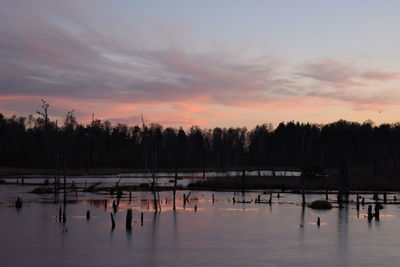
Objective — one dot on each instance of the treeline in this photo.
(37, 142)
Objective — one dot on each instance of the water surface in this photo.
(219, 233)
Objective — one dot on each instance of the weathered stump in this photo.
(377, 212)
(370, 216)
(129, 219)
(112, 221)
(18, 203)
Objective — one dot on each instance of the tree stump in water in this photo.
(59, 214)
(377, 212)
(88, 215)
(370, 212)
(18, 203)
(112, 221)
(129, 219)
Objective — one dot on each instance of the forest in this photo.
(38, 142)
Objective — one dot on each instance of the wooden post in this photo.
(18, 203)
(59, 214)
(358, 203)
(370, 212)
(243, 179)
(377, 212)
(88, 215)
(65, 184)
(129, 219)
(141, 219)
(174, 191)
(270, 198)
(114, 205)
(340, 198)
(112, 221)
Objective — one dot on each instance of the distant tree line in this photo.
(37, 142)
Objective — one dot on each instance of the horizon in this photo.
(225, 64)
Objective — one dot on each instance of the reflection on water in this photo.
(220, 233)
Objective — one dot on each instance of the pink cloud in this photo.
(380, 75)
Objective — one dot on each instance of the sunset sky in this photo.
(207, 63)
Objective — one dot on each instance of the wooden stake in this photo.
(129, 219)
(112, 221)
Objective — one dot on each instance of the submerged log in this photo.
(42, 190)
(321, 204)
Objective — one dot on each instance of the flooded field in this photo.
(201, 233)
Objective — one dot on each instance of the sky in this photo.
(210, 63)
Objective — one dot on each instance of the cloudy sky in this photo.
(207, 63)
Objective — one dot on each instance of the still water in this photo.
(219, 233)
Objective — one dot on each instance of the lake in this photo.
(219, 233)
